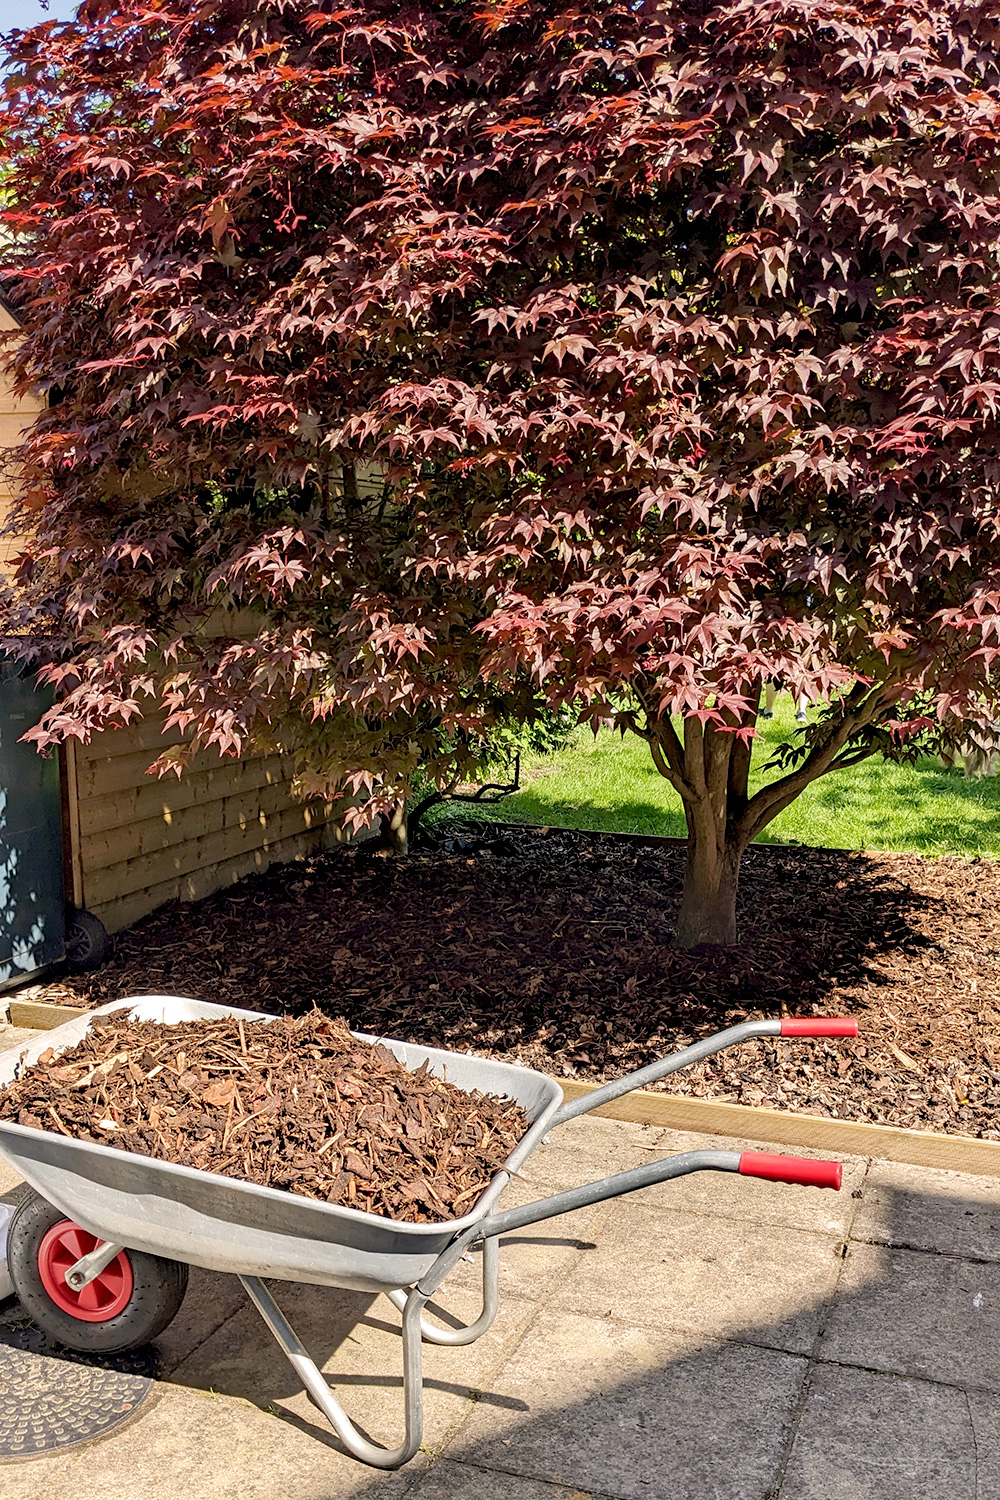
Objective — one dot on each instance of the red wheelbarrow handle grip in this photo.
(799, 1169)
(819, 1026)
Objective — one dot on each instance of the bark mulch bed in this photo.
(553, 949)
(297, 1104)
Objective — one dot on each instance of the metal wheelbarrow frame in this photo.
(129, 1201)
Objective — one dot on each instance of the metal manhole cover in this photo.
(47, 1404)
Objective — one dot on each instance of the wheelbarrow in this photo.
(100, 1256)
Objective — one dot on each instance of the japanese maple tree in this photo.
(479, 355)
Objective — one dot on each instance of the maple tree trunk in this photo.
(710, 769)
(393, 831)
(708, 902)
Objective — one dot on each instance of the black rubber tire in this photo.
(87, 941)
(157, 1291)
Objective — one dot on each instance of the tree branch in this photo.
(772, 799)
(694, 756)
(662, 762)
(669, 743)
(855, 759)
(665, 748)
(739, 773)
(349, 479)
(718, 754)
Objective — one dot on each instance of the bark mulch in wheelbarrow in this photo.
(298, 1104)
(553, 949)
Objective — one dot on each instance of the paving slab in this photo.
(915, 1313)
(636, 1412)
(9, 1179)
(864, 1436)
(587, 1148)
(210, 1300)
(951, 1212)
(12, 1186)
(984, 1414)
(189, 1446)
(755, 1282)
(15, 1036)
(451, 1481)
(533, 1259)
(355, 1339)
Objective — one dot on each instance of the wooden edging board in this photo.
(918, 1148)
(668, 841)
(39, 1015)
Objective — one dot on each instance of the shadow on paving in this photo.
(878, 1383)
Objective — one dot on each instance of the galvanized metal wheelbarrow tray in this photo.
(133, 1202)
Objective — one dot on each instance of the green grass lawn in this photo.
(611, 784)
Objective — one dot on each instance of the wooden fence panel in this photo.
(168, 797)
(238, 814)
(16, 413)
(106, 883)
(144, 840)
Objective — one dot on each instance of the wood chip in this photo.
(182, 1111)
(441, 948)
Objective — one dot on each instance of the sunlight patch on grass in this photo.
(611, 785)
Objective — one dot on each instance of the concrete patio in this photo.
(717, 1338)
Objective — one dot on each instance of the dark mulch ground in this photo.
(553, 949)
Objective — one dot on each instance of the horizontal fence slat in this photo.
(167, 796)
(237, 812)
(107, 884)
(103, 775)
(142, 734)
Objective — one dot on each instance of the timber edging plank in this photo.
(670, 841)
(918, 1148)
(40, 1015)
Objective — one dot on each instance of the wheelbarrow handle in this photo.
(790, 1026)
(819, 1026)
(802, 1170)
(795, 1169)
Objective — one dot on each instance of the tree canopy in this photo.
(475, 355)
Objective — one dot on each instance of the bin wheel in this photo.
(87, 941)
(129, 1303)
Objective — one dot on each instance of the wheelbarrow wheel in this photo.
(130, 1302)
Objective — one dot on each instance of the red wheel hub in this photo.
(104, 1297)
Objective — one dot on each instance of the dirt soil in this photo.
(553, 949)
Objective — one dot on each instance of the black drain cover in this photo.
(47, 1404)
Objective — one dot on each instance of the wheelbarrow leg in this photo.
(468, 1334)
(316, 1384)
